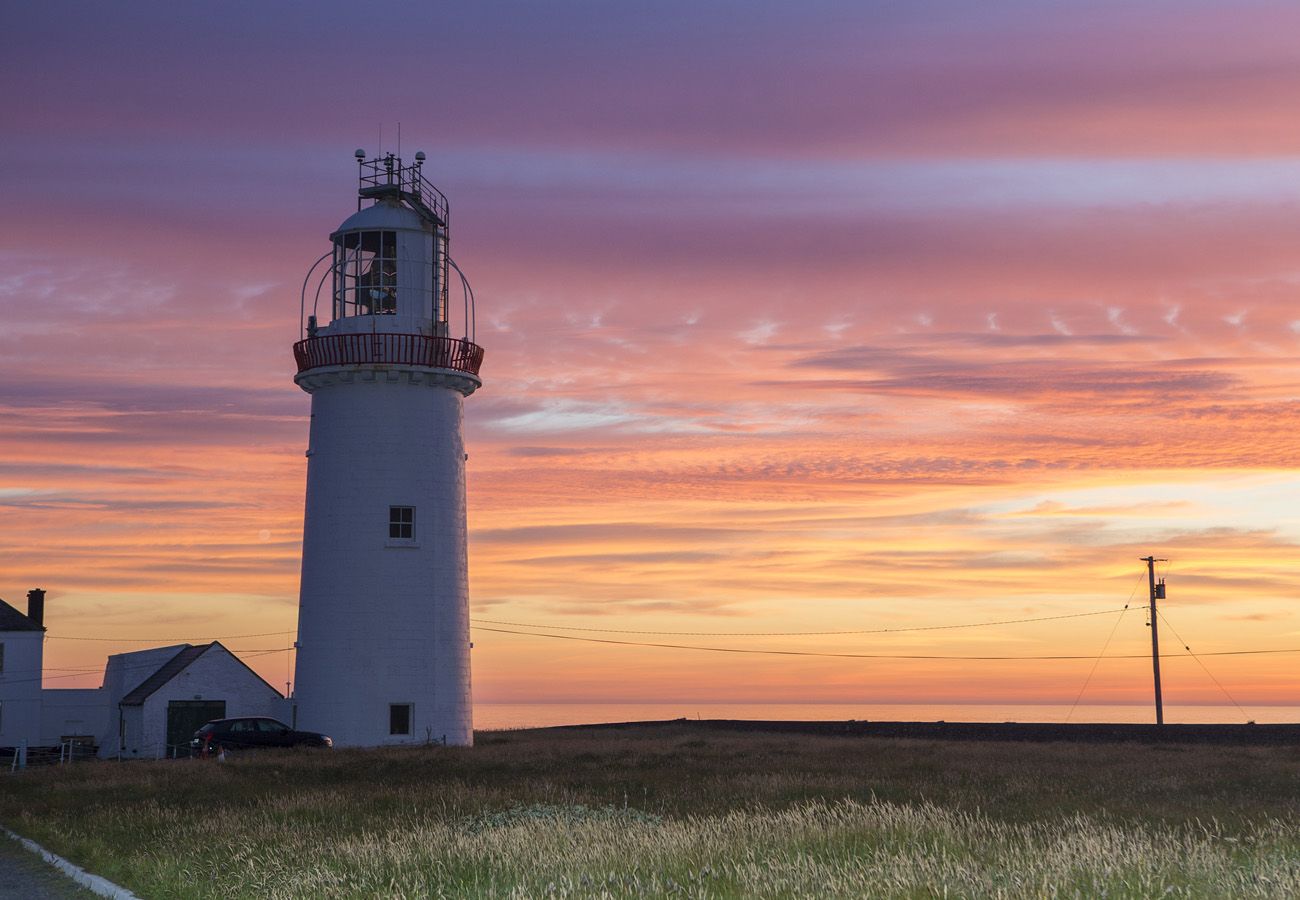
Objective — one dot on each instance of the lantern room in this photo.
(386, 263)
(388, 267)
(379, 295)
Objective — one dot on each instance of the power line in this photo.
(592, 640)
(1102, 612)
(1096, 662)
(229, 637)
(134, 667)
(1231, 699)
(149, 640)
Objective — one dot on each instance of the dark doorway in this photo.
(184, 717)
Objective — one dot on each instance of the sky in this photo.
(817, 316)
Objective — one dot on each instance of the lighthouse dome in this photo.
(385, 216)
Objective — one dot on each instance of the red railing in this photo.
(388, 349)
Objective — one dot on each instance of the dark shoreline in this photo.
(1038, 732)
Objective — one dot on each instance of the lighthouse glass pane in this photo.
(401, 523)
(366, 273)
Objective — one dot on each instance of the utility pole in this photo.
(1157, 590)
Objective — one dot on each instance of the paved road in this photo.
(25, 876)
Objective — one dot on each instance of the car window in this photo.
(268, 725)
(241, 726)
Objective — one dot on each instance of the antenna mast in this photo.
(1157, 591)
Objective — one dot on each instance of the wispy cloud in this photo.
(826, 315)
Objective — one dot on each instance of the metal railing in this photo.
(388, 349)
(65, 752)
(388, 172)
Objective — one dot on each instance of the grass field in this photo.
(683, 810)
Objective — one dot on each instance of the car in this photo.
(251, 733)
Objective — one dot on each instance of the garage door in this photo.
(184, 717)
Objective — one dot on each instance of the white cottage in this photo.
(150, 703)
(196, 684)
(21, 640)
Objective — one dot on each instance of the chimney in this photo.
(36, 606)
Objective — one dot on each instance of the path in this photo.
(25, 876)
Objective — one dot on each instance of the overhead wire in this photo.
(228, 637)
(593, 640)
(1100, 612)
(1019, 621)
(152, 666)
(1231, 699)
(482, 625)
(1096, 662)
(148, 640)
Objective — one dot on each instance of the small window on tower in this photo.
(399, 718)
(401, 523)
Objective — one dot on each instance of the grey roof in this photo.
(12, 620)
(165, 673)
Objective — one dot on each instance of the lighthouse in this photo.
(387, 354)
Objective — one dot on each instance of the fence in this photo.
(65, 752)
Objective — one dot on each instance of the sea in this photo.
(504, 716)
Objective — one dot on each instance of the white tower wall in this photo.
(382, 620)
(383, 624)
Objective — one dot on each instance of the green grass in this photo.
(683, 810)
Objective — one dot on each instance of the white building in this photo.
(383, 628)
(195, 684)
(150, 703)
(22, 638)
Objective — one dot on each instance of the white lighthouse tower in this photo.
(383, 615)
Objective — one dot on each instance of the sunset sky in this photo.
(816, 316)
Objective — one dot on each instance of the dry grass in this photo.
(684, 810)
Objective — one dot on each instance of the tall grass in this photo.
(682, 810)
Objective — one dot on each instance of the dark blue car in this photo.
(251, 733)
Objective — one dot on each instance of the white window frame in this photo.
(395, 523)
(410, 720)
